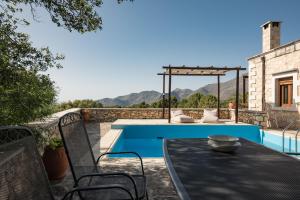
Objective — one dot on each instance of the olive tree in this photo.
(26, 91)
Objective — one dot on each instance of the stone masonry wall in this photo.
(112, 114)
(253, 117)
(246, 116)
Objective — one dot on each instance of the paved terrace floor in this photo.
(159, 187)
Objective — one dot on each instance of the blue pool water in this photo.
(147, 139)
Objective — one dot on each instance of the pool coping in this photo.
(109, 139)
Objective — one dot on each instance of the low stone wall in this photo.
(253, 117)
(112, 114)
(50, 124)
(48, 127)
(284, 117)
(246, 116)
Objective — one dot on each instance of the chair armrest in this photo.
(110, 174)
(92, 188)
(124, 152)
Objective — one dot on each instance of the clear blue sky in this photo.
(139, 37)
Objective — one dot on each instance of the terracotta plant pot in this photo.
(55, 162)
(231, 105)
(86, 115)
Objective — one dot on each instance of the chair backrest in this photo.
(22, 174)
(77, 145)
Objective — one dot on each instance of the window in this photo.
(285, 87)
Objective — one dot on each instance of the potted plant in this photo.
(86, 115)
(231, 105)
(55, 159)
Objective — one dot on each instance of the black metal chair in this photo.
(22, 174)
(85, 168)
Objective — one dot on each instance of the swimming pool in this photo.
(147, 139)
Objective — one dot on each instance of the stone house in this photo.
(274, 77)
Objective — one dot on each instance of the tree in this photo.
(183, 103)
(192, 101)
(78, 15)
(174, 102)
(140, 105)
(85, 103)
(26, 92)
(208, 101)
(159, 103)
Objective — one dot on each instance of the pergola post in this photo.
(170, 86)
(244, 89)
(218, 96)
(163, 95)
(237, 96)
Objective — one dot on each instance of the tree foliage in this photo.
(140, 105)
(193, 101)
(159, 103)
(78, 15)
(25, 94)
(26, 91)
(85, 103)
(208, 101)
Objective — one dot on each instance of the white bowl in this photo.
(225, 147)
(223, 138)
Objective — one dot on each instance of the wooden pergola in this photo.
(199, 71)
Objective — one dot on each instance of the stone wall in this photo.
(51, 123)
(253, 117)
(246, 116)
(284, 118)
(112, 114)
(49, 126)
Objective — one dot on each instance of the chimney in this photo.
(270, 35)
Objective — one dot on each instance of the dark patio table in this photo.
(253, 172)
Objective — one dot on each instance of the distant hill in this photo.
(227, 89)
(181, 93)
(133, 98)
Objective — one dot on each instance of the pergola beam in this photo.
(205, 68)
(166, 74)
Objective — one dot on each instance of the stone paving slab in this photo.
(160, 186)
(109, 139)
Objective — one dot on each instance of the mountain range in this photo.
(227, 89)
